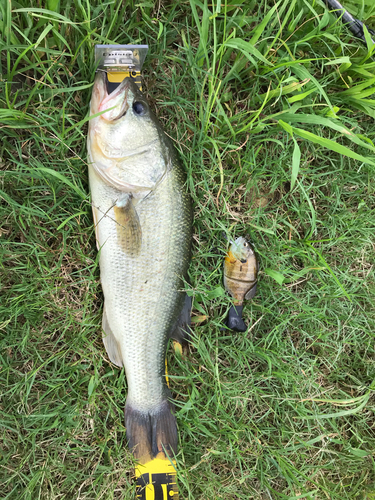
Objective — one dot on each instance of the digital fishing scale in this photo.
(119, 62)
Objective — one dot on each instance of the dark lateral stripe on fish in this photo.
(151, 433)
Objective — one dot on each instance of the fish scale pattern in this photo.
(143, 292)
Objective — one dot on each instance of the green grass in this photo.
(271, 106)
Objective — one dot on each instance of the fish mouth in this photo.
(122, 86)
(116, 102)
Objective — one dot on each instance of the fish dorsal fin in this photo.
(110, 343)
(129, 232)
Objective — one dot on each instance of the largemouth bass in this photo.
(143, 224)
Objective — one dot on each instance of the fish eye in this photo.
(139, 108)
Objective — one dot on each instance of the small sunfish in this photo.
(240, 279)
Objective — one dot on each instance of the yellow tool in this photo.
(121, 61)
(156, 480)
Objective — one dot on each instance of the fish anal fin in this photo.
(110, 343)
(129, 232)
(181, 329)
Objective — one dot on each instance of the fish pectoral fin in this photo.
(95, 214)
(110, 343)
(129, 232)
(181, 329)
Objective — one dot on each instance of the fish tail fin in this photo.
(153, 438)
(139, 433)
(164, 430)
(153, 432)
(234, 320)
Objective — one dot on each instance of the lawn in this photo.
(271, 106)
